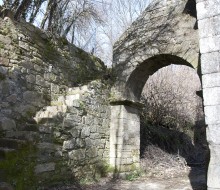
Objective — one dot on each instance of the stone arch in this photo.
(125, 112)
(141, 73)
(164, 34)
(184, 28)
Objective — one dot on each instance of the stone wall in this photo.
(165, 33)
(209, 31)
(74, 134)
(54, 113)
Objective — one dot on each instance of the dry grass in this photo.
(158, 163)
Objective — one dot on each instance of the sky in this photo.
(117, 18)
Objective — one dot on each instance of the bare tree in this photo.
(170, 97)
(90, 24)
(35, 9)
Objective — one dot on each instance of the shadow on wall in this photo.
(33, 74)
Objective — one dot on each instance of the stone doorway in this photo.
(125, 113)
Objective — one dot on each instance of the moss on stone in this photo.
(2, 77)
(19, 166)
(5, 31)
(2, 46)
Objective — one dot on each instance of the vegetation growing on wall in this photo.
(18, 167)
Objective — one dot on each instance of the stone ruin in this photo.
(62, 118)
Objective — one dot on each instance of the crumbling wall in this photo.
(54, 109)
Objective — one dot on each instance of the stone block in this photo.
(80, 143)
(75, 132)
(40, 168)
(45, 145)
(5, 39)
(71, 121)
(212, 115)
(77, 154)
(206, 9)
(4, 61)
(31, 78)
(210, 62)
(215, 154)
(85, 132)
(40, 80)
(211, 80)
(213, 176)
(69, 144)
(7, 124)
(70, 100)
(213, 134)
(209, 27)
(32, 97)
(210, 44)
(89, 142)
(211, 96)
(92, 152)
(23, 135)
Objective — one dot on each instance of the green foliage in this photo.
(133, 175)
(2, 45)
(19, 166)
(50, 51)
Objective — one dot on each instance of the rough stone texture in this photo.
(166, 33)
(53, 96)
(124, 138)
(209, 32)
(76, 127)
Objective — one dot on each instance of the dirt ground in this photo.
(194, 180)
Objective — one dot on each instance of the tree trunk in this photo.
(35, 11)
(22, 9)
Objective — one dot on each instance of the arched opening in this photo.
(143, 71)
(125, 123)
(172, 126)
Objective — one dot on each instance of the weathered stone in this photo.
(45, 129)
(12, 98)
(7, 87)
(211, 96)
(211, 80)
(210, 44)
(89, 142)
(7, 124)
(207, 9)
(80, 143)
(69, 145)
(5, 39)
(47, 146)
(85, 132)
(5, 186)
(31, 78)
(75, 132)
(213, 134)
(40, 168)
(31, 96)
(92, 152)
(70, 100)
(23, 135)
(212, 114)
(209, 27)
(77, 154)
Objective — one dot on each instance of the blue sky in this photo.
(0, 2)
